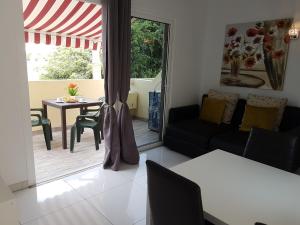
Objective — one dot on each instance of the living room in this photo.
(197, 31)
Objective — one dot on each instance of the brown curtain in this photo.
(129, 152)
(118, 134)
(111, 83)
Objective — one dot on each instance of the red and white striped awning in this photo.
(69, 23)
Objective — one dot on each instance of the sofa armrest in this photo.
(183, 113)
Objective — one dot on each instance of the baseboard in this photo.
(150, 146)
(19, 186)
(140, 118)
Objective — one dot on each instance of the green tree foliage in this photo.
(146, 48)
(68, 63)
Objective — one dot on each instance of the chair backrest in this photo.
(173, 199)
(276, 149)
(100, 113)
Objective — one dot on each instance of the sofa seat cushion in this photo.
(233, 142)
(196, 131)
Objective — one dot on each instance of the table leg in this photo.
(45, 111)
(64, 128)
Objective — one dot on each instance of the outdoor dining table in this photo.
(63, 106)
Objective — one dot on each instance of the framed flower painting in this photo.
(255, 54)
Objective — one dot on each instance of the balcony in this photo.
(59, 161)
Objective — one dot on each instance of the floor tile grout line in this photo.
(104, 192)
(86, 198)
(43, 214)
(53, 211)
(138, 186)
(98, 211)
(128, 180)
(83, 199)
(139, 221)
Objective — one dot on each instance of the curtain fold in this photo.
(118, 130)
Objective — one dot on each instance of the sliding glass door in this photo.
(149, 53)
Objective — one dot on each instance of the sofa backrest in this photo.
(290, 119)
(183, 113)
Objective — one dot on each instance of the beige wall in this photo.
(39, 90)
(142, 88)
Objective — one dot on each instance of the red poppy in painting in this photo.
(249, 62)
(278, 54)
(232, 31)
(267, 38)
(261, 31)
(257, 40)
(249, 48)
(287, 39)
(252, 32)
(268, 47)
(280, 23)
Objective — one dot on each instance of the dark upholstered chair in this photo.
(279, 150)
(174, 200)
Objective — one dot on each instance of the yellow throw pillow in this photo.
(259, 117)
(212, 110)
(266, 101)
(231, 101)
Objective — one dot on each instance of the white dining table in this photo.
(239, 191)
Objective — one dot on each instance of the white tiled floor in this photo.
(94, 197)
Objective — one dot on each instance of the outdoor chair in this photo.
(38, 119)
(91, 111)
(92, 121)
